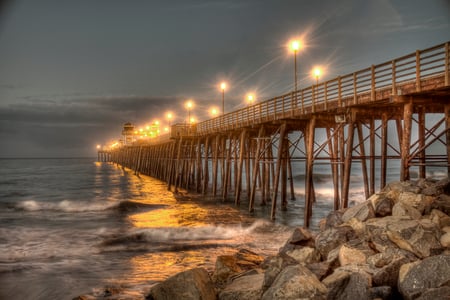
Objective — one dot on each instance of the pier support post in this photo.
(447, 128)
(348, 163)
(278, 171)
(309, 139)
(406, 140)
(255, 169)
(240, 165)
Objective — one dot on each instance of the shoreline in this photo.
(365, 251)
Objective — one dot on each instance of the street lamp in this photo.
(250, 99)
(295, 45)
(213, 111)
(316, 73)
(189, 104)
(223, 86)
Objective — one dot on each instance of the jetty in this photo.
(250, 152)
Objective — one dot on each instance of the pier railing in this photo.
(416, 72)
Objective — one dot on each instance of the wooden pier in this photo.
(249, 153)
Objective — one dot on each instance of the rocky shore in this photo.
(395, 245)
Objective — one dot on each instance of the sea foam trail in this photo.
(82, 206)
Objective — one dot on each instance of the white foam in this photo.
(65, 206)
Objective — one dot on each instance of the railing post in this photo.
(417, 71)
(447, 64)
(354, 88)
(394, 78)
(339, 92)
(292, 102)
(313, 98)
(372, 89)
(325, 95)
(303, 106)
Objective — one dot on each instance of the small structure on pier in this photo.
(128, 133)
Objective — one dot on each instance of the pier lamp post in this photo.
(169, 117)
(189, 104)
(316, 73)
(223, 86)
(250, 99)
(213, 112)
(295, 46)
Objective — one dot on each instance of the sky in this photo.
(73, 72)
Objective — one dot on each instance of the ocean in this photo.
(75, 226)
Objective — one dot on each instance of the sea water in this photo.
(75, 226)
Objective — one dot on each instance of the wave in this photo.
(83, 206)
(171, 235)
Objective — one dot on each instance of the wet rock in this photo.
(247, 259)
(382, 205)
(401, 209)
(191, 284)
(244, 288)
(273, 266)
(348, 285)
(295, 282)
(419, 237)
(330, 238)
(361, 212)
(418, 277)
(226, 265)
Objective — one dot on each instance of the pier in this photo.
(249, 153)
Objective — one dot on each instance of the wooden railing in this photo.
(400, 76)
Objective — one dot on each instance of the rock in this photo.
(418, 277)
(442, 203)
(333, 219)
(348, 255)
(398, 187)
(382, 205)
(381, 292)
(436, 293)
(361, 212)
(305, 255)
(413, 200)
(244, 288)
(439, 218)
(358, 226)
(419, 237)
(429, 188)
(332, 237)
(320, 269)
(295, 282)
(388, 274)
(273, 266)
(191, 284)
(226, 265)
(445, 240)
(401, 209)
(376, 232)
(300, 237)
(348, 285)
(247, 259)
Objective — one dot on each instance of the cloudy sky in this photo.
(72, 72)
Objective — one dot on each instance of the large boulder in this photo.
(273, 266)
(416, 278)
(244, 288)
(349, 255)
(226, 266)
(442, 203)
(439, 218)
(296, 282)
(343, 284)
(333, 237)
(300, 238)
(419, 237)
(361, 212)
(376, 232)
(192, 284)
(414, 200)
(401, 209)
(305, 255)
